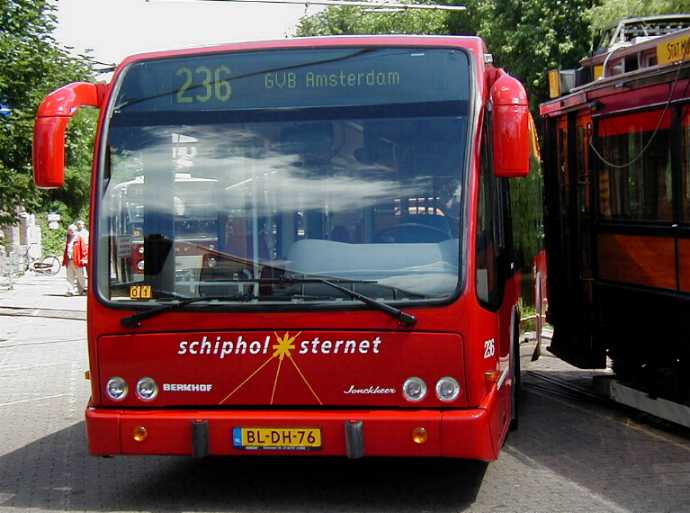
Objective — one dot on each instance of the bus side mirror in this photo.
(510, 129)
(50, 125)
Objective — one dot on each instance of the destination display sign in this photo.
(298, 78)
(673, 50)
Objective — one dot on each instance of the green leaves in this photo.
(527, 37)
(609, 12)
(355, 20)
(32, 65)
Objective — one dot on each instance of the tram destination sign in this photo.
(296, 78)
(673, 50)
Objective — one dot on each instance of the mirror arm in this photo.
(68, 99)
(51, 122)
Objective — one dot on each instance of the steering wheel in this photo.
(411, 232)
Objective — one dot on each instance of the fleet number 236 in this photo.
(208, 84)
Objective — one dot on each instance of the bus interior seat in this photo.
(317, 256)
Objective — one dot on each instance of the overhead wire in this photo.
(644, 149)
(354, 3)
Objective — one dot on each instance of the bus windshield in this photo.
(255, 174)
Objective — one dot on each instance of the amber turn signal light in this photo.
(491, 376)
(139, 433)
(420, 435)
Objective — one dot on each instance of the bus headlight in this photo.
(140, 265)
(116, 388)
(447, 389)
(147, 390)
(414, 389)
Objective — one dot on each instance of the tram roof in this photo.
(647, 61)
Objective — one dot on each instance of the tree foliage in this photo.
(527, 37)
(609, 12)
(355, 20)
(32, 65)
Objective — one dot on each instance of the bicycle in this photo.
(49, 264)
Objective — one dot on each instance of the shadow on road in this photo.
(56, 473)
(614, 452)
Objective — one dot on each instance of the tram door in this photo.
(559, 237)
(584, 193)
(590, 345)
(569, 247)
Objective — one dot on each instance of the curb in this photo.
(50, 313)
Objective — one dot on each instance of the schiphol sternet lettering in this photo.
(221, 347)
(340, 79)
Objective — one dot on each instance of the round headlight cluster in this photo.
(116, 388)
(414, 389)
(147, 390)
(447, 389)
(140, 265)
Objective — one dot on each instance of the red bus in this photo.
(360, 297)
(617, 217)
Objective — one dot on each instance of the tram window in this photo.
(582, 170)
(641, 190)
(562, 157)
(686, 165)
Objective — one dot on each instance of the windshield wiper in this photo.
(134, 321)
(405, 318)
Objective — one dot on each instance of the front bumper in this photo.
(451, 433)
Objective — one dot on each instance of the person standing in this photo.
(75, 259)
(82, 231)
(84, 234)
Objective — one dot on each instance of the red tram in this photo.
(617, 214)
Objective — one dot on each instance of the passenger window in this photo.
(490, 232)
(635, 178)
(582, 152)
(563, 175)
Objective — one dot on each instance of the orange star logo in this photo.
(285, 345)
(282, 349)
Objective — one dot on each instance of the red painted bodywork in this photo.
(447, 340)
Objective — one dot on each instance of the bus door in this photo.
(497, 288)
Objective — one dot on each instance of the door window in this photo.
(635, 180)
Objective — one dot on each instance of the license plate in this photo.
(270, 438)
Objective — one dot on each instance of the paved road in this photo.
(569, 455)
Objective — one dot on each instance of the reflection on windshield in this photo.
(227, 205)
